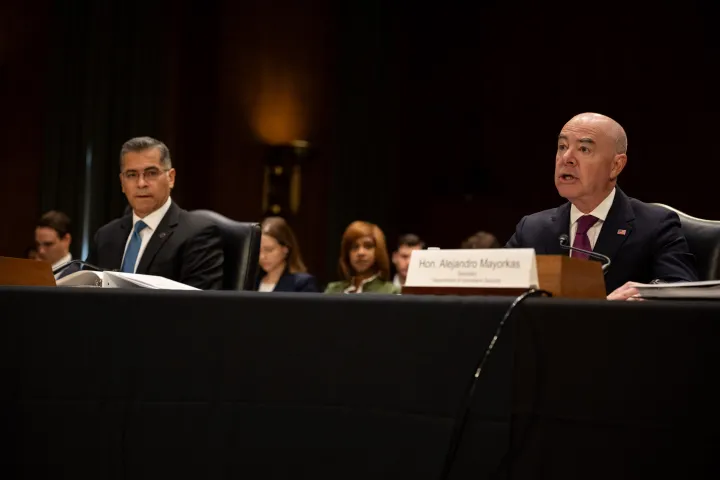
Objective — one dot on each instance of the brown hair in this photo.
(355, 231)
(481, 240)
(58, 221)
(278, 228)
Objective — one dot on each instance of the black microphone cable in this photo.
(462, 416)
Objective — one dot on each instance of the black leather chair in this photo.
(241, 246)
(703, 237)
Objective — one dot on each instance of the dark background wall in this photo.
(437, 119)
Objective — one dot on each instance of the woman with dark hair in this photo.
(282, 268)
(364, 262)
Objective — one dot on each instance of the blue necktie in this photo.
(133, 248)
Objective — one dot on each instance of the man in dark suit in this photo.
(158, 237)
(645, 243)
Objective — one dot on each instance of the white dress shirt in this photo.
(152, 221)
(600, 212)
(266, 287)
(396, 281)
(67, 258)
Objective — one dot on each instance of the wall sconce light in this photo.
(283, 178)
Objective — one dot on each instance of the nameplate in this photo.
(476, 268)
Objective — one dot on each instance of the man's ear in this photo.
(618, 165)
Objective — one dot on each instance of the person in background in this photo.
(157, 237)
(364, 262)
(401, 257)
(53, 239)
(31, 253)
(481, 240)
(282, 266)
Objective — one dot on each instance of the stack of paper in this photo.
(701, 290)
(87, 278)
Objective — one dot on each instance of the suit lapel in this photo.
(285, 283)
(161, 235)
(118, 249)
(620, 219)
(559, 225)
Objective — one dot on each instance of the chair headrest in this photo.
(703, 237)
(242, 249)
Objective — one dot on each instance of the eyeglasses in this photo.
(150, 174)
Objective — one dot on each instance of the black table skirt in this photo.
(155, 384)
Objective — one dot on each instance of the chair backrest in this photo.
(241, 246)
(703, 237)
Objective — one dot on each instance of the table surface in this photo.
(160, 384)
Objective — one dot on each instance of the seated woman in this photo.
(364, 262)
(282, 268)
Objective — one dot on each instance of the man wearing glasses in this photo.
(158, 237)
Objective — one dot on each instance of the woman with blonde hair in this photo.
(364, 261)
(282, 267)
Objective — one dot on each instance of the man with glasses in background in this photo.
(158, 237)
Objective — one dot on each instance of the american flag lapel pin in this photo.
(622, 231)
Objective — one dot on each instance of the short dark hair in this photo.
(56, 220)
(481, 240)
(410, 240)
(138, 144)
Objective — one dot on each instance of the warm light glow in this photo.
(278, 116)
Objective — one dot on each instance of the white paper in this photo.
(108, 279)
(709, 289)
(473, 268)
(703, 284)
(82, 278)
(121, 279)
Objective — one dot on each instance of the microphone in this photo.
(565, 243)
(76, 262)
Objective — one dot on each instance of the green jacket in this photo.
(374, 286)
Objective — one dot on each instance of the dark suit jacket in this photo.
(652, 248)
(184, 248)
(292, 282)
(70, 269)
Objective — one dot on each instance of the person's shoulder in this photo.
(337, 287)
(536, 219)
(303, 277)
(383, 286)
(304, 282)
(550, 212)
(113, 225)
(649, 212)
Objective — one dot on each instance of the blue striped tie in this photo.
(133, 248)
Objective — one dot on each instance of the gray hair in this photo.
(138, 144)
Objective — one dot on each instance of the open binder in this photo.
(108, 279)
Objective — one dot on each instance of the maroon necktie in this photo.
(581, 237)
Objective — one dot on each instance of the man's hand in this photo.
(626, 292)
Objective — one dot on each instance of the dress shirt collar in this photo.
(153, 220)
(600, 212)
(67, 258)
